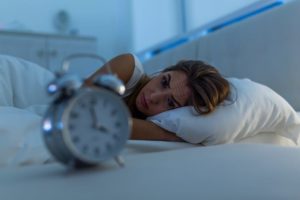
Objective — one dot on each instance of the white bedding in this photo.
(233, 171)
(154, 169)
(21, 142)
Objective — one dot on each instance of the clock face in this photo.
(96, 125)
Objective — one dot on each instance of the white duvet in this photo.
(23, 100)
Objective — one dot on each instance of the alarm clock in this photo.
(85, 126)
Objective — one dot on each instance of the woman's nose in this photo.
(157, 97)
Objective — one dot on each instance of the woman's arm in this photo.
(122, 66)
(145, 130)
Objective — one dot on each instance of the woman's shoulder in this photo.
(136, 75)
(123, 65)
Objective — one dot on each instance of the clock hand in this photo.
(102, 129)
(96, 123)
(94, 116)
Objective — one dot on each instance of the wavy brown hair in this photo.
(209, 87)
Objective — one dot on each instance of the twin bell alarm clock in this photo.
(85, 126)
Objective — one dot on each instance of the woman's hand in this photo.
(146, 130)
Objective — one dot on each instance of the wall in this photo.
(201, 12)
(109, 21)
(119, 25)
(154, 21)
(158, 21)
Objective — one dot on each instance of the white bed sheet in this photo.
(233, 171)
(23, 144)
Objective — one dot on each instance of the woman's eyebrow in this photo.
(173, 98)
(168, 79)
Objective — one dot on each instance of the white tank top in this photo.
(138, 72)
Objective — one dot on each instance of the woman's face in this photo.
(166, 91)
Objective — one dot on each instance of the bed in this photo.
(265, 166)
(236, 171)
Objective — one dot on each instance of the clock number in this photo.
(118, 124)
(116, 137)
(113, 112)
(71, 127)
(74, 115)
(76, 139)
(97, 151)
(108, 147)
(85, 149)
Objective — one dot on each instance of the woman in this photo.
(186, 83)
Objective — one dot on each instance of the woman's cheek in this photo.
(157, 109)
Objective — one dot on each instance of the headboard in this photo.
(264, 48)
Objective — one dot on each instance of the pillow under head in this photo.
(252, 108)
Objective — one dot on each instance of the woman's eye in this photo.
(171, 103)
(164, 82)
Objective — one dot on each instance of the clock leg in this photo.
(120, 161)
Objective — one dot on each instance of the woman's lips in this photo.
(144, 102)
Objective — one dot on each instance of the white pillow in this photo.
(21, 140)
(253, 108)
(23, 84)
(23, 100)
(25, 81)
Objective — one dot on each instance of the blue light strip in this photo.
(243, 17)
(185, 39)
(170, 45)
